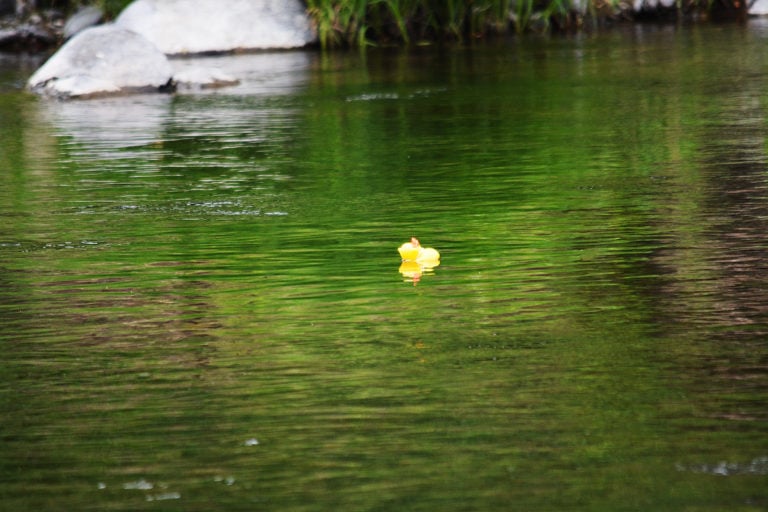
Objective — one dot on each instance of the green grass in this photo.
(362, 22)
(350, 22)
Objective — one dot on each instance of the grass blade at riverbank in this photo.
(358, 22)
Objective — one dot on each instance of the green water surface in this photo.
(201, 308)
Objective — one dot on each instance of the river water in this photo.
(202, 308)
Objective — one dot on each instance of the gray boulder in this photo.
(209, 26)
(102, 60)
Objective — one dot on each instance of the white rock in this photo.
(102, 60)
(198, 77)
(639, 5)
(80, 85)
(256, 73)
(758, 8)
(207, 26)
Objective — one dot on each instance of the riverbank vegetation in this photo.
(365, 22)
(344, 23)
(362, 22)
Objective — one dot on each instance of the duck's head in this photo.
(409, 251)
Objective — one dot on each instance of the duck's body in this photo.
(428, 254)
(417, 260)
(409, 251)
(413, 251)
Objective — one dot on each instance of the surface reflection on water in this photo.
(202, 303)
(117, 123)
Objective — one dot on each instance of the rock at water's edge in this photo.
(758, 8)
(193, 78)
(207, 26)
(102, 60)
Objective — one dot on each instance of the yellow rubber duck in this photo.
(417, 260)
(413, 252)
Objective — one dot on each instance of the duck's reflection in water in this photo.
(413, 270)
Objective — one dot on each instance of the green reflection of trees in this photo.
(560, 355)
